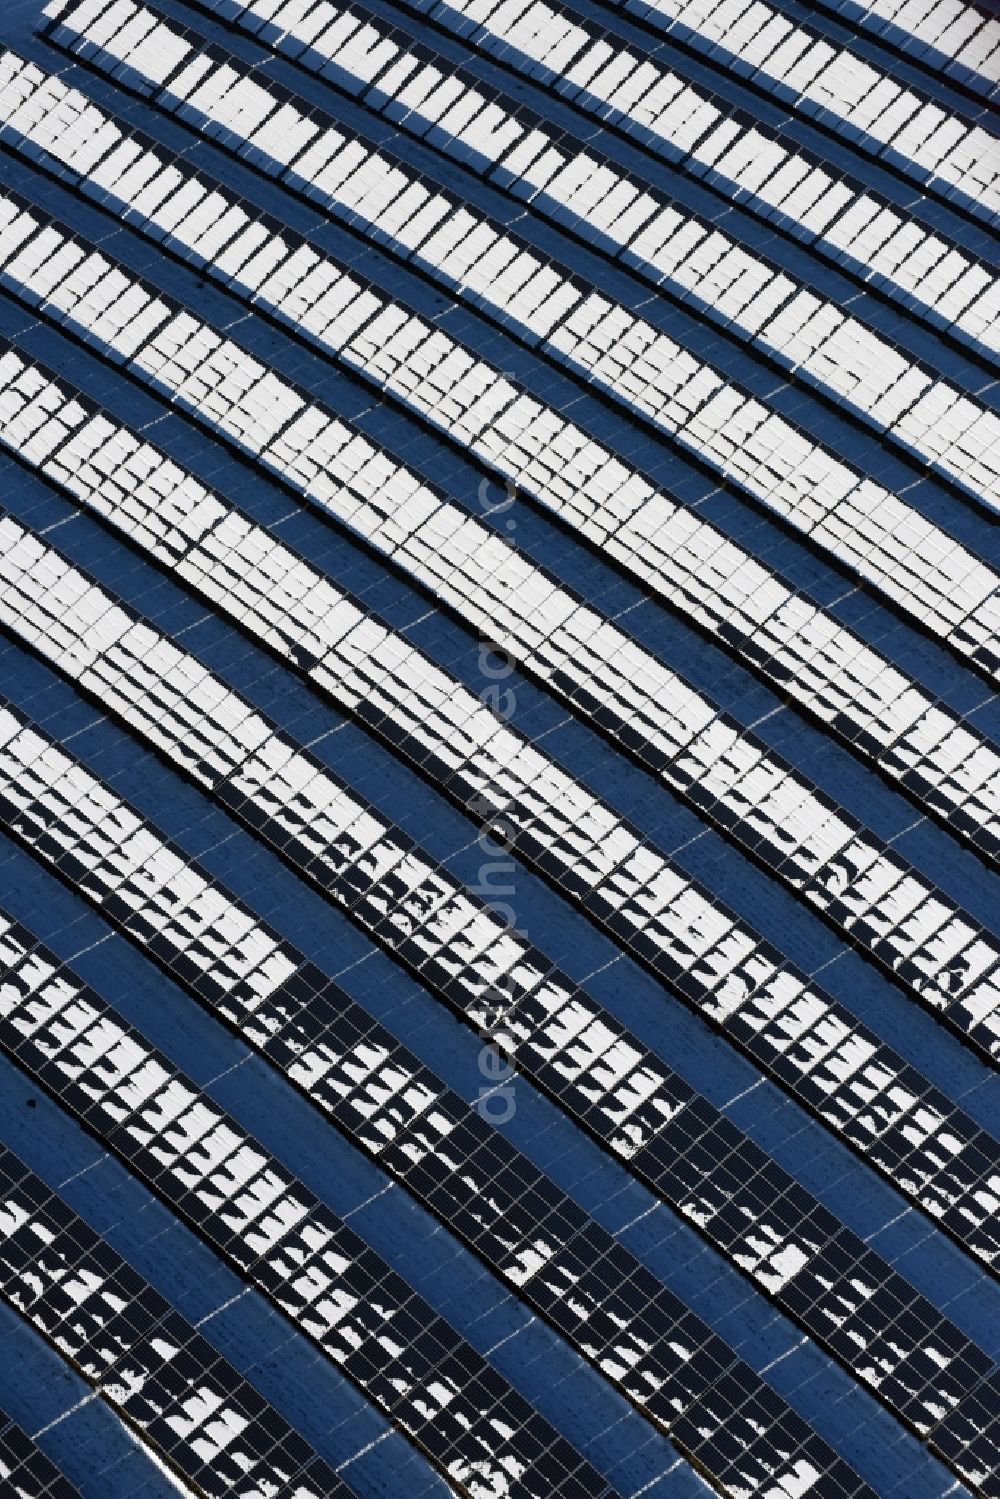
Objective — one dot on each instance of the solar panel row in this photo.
(321, 1273)
(683, 254)
(536, 446)
(744, 154)
(965, 35)
(361, 1313)
(138, 1353)
(775, 461)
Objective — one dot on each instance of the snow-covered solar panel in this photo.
(766, 169)
(24, 1468)
(814, 1268)
(917, 563)
(326, 303)
(286, 1243)
(284, 1238)
(684, 250)
(968, 36)
(720, 961)
(867, 104)
(948, 960)
(697, 1124)
(679, 251)
(291, 292)
(140, 1355)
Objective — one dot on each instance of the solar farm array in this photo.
(499, 749)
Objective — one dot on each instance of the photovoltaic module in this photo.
(499, 749)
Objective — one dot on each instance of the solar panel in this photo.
(331, 1283)
(811, 335)
(497, 436)
(764, 167)
(26, 1470)
(815, 1046)
(949, 962)
(320, 299)
(965, 35)
(278, 1256)
(625, 355)
(139, 1354)
(948, 154)
(683, 254)
(811, 1265)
